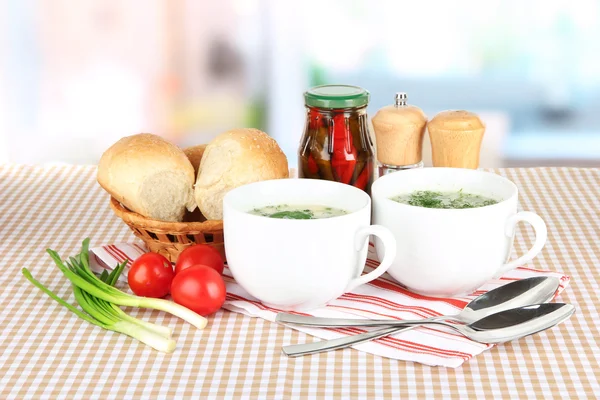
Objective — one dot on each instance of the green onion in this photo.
(114, 322)
(111, 279)
(101, 300)
(83, 277)
(108, 318)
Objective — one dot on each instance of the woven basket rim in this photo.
(140, 221)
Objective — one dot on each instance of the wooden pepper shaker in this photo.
(399, 131)
(456, 137)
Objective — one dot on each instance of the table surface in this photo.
(47, 352)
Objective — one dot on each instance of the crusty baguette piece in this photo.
(194, 154)
(235, 158)
(148, 175)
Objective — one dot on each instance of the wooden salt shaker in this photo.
(456, 137)
(399, 131)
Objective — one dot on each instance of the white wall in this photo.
(287, 77)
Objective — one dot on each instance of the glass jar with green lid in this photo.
(337, 143)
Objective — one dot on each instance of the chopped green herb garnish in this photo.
(305, 211)
(434, 199)
(292, 215)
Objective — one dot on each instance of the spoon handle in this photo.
(319, 322)
(296, 350)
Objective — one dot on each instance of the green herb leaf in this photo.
(292, 215)
(103, 275)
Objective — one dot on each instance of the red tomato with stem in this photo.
(200, 254)
(199, 288)
(151, 275)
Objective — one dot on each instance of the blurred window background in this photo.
(75, 76)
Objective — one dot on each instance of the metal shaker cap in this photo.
(400, 113)
(401, 99)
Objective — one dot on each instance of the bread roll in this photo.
(233, 159)
(194, 154)
(148, 175)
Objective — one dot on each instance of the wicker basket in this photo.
(171, 238)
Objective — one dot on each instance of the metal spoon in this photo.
(496, 328)
(514, 294)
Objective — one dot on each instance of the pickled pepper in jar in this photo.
(337, 144)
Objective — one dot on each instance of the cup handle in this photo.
(541, 233)
(389, 244)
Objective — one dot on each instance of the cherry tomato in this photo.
(199, 288)
(200, 254)
(150, 275)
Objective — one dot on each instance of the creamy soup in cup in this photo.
(446, 250)
(297, 244)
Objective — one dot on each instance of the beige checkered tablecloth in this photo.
(47, 352)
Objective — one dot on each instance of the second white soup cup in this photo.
(448, 252)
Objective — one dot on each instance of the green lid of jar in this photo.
(336, 96)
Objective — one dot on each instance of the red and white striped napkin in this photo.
(382, 298)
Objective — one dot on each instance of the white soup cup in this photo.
(301, 264)
(451, 252)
